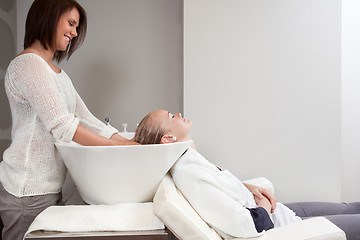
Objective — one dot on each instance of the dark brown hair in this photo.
(42, 21)
(149, 131)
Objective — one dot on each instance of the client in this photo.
(232, 208)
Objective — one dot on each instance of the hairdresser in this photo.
(45, 108)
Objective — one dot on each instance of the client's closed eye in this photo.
(171, 115)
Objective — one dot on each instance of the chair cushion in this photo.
(317, 228)
(174, 210)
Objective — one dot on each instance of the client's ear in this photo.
(168, 139)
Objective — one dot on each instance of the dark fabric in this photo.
(261, 219)
(344, 215)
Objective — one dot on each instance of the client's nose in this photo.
(178, 115)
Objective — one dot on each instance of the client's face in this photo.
(174, 124)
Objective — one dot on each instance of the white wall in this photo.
(350, 79)
(262, 86)
(131, 61)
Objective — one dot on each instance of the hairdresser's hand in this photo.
(262, 193)
(120, 140)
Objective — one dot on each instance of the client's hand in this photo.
(261, 193)
(264, 203)
(270, 196)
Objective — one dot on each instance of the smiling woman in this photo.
(45, 108)
(53, 23)
(66, 29)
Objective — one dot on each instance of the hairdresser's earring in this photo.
(68, 47)
(174, 139)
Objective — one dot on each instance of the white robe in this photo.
(220, 198)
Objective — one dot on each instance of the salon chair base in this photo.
(136, 235)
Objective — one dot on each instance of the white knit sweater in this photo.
(45, 108)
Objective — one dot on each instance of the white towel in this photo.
(91, 218)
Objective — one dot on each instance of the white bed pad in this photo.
(91, 218)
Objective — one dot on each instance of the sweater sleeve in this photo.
(33, 83)
(88, 120)
(261, 219)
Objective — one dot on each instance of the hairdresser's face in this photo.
(174, 124)
(66, 29)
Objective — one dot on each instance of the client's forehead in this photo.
(159, 118)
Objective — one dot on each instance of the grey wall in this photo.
(131, 61)
(7, 52)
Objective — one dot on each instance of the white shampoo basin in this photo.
(114, 174)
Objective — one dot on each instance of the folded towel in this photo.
(91, 218)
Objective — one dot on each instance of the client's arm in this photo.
(261, 214)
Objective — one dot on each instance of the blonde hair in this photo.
(149, 130)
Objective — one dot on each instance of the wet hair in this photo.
(149, 131)
(41, 24)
